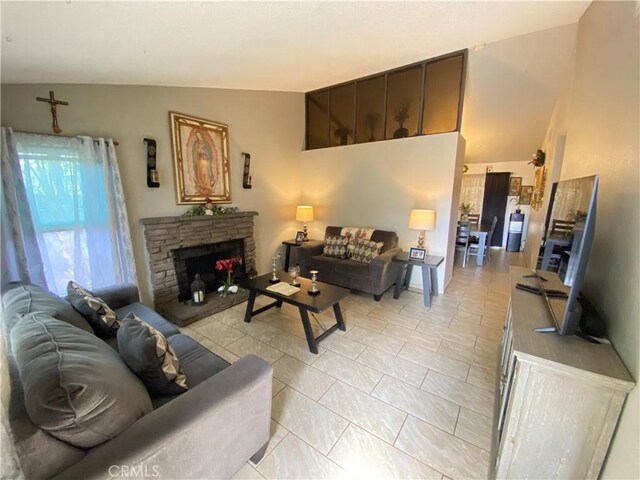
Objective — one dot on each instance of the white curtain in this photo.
(21, 260)
(472, 191)
(75, 194)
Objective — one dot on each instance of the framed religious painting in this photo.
(514, 186)
(201, 159)
(525, 194)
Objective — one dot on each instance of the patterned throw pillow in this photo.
(148, 354)
(94, 309)
(366, 250)
(354, 235)
(335, 246)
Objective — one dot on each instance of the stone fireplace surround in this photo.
(165, 234)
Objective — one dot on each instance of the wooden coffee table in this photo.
(329, 296)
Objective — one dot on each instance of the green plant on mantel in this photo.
(209, 208)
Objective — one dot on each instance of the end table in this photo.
(293, 243)
(429, 275)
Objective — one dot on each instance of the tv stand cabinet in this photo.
(558, 398)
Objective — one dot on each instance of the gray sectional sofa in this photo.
(209, 431)
(374, 278)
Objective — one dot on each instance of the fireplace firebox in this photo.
(202, 259)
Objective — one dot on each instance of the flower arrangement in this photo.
(229, 265)
(209, 208)
(538, 158)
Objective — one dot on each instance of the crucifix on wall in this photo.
(54, 113)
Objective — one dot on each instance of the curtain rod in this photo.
(117, 144)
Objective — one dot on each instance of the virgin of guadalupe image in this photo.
(203, 163)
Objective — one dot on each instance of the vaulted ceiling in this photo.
(511, 87)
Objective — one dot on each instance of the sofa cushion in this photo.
(154, 319)
(23, 299)
(335, 246)
(366, 250)
(353, 269)
(197, 363)
(150, 356)
(74, 384)
(324, 265)
(94, 309)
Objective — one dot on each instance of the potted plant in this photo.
(538, 158)
(465, 210)
(402, 115)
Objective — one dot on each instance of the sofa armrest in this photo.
(118, 296)
(305, 252)
(209, 431)
(383, 270)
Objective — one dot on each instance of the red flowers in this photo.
(228, 264)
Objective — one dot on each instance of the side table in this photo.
(293, 243)
(429, 275)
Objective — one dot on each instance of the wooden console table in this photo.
(558, 398)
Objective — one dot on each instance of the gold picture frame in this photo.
(200, 159)
(515, 183)
(525, 194)
(539, 181)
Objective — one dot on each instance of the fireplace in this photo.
(202, 259)
(198, 241)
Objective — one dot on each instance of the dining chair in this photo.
(557, 227)
(474, 218)
(474, 245)
(462, 241)
(562, 226)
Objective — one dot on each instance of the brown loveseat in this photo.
(374, 278)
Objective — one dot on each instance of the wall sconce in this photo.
(246, 178)
(152, 172)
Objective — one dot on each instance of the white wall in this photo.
(600, 114)
(268, 125)
(378, 184)
(517, 169)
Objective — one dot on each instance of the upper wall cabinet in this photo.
(419, 99)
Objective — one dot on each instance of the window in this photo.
(70, 194)
(418, 99)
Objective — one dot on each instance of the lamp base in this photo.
(421, 239)
(304, 232)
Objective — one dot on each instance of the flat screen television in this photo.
(569, 234)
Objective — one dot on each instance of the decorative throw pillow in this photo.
(148, 354)
(354, 235)
(76, 387)
(94, 309)
(366, 250)
(335, 246)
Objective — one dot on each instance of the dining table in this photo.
(480, 230)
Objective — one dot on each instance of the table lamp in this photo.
(422, 220)
(304, 213)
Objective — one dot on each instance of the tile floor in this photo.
(406, 392)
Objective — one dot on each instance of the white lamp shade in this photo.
(422, 220)
(304, 213)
